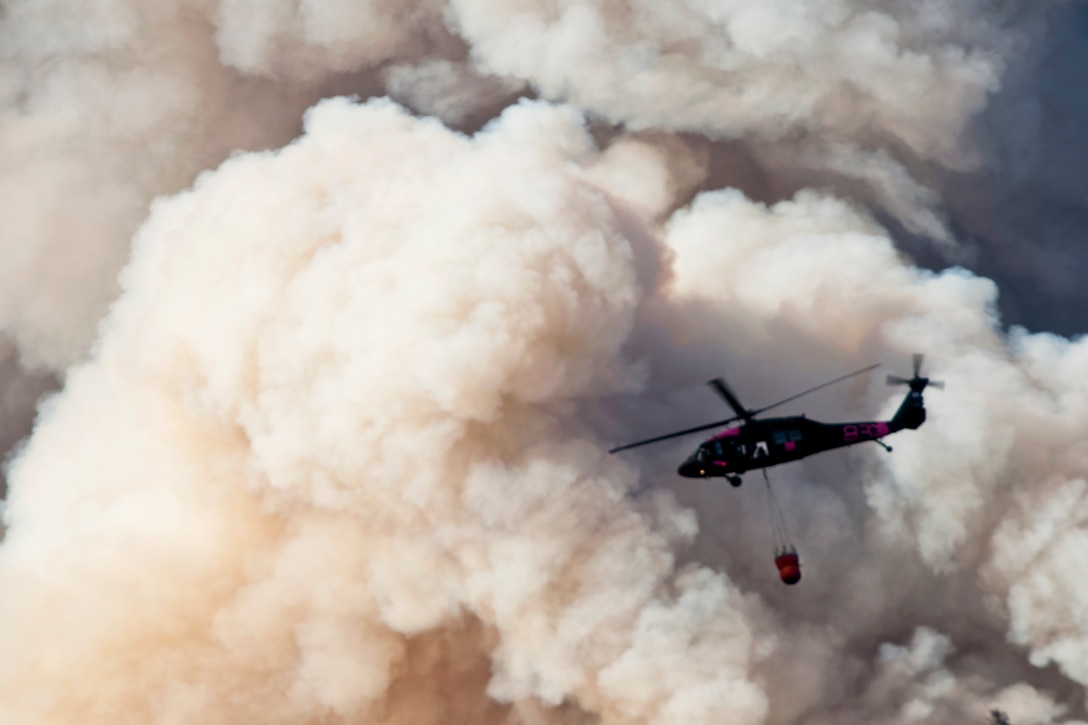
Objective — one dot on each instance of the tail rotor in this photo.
(917, 383)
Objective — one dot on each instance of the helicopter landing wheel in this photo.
(734, 480)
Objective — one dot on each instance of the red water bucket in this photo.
(789, 567)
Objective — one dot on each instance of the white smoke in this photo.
(744, 67)
(829, 80)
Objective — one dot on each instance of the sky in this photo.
(319, 321)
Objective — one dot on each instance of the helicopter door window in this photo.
(795, 435)
(718, 448)
(779, 437)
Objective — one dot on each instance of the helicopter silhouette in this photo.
(756, 444)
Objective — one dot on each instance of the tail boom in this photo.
(911, 413)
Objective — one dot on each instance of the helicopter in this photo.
(756, 444)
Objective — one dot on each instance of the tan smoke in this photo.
(332, 417)
(338, 454)
(108, 104)
(104, 105)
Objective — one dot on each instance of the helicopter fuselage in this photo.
(764, 443)
(771, 441)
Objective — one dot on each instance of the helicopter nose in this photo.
(691, 469)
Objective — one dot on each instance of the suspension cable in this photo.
(782, 543)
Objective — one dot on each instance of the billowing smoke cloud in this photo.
(103, 111)
(338, 453)
(990, 494)
(398, 321)
(840, 68)
(826, 80)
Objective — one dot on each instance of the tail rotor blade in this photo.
(917, 383)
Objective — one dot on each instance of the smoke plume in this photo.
(334, 388)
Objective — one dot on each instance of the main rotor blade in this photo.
(917, 358)
(723, 390)
(813, 390)
(677, 434)
(896, 380)
(938, 384)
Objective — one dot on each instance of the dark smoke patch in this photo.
(1024, 214)
(20, 391)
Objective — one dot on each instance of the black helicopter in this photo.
(758, 444)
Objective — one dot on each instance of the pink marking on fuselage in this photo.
(882, 429)
(790, 445)
(725, 434)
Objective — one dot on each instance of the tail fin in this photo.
(911, 413)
